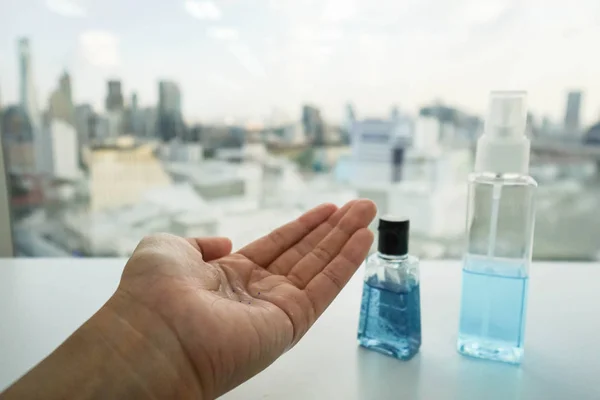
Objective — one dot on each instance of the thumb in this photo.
(211, 247)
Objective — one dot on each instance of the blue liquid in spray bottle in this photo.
(500, 224)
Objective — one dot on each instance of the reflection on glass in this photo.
(220, 118)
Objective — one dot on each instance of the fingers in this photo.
(284, 263)
(359, 216)
(211, 247)
(266, 249)
(325, 286)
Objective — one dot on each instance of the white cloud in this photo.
(203, 10)
(482, 12)
(295, 9)
(324, 50)
(314, 33)
(331, 34)
(373, 40)
(67, 8)
(222, 33)
(340, 10)
(99, 48)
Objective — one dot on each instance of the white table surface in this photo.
(42, 301)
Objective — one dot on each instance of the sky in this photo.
(255, 58)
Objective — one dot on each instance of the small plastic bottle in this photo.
(500, 224)
(390, 313)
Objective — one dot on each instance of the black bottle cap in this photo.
(393, 235)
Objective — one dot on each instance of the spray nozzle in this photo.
(504, 147)
(507, 114)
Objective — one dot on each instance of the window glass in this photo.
(228, 117)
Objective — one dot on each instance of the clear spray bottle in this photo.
(500, 225)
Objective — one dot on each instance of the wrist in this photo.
(123, 352)
(150, 351)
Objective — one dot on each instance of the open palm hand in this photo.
(233, 314)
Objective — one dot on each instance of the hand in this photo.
(191, 320)
(234, 314)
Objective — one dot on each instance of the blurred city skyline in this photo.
(157, 153)
(245, 59)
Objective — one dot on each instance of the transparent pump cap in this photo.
(507, 114)
(503, 147)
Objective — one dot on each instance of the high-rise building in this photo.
(100, 132)
(17, 143)
(169, 97)
(592, 136)
(115, 124)
(378, 150)
(133, 106)
(395, 113)
(62, 158)
(293, 134)
(134, 101)
(170, 121)
(26, 86)
(149, 118)
(426, 138)
(61, 101)
(531, 126)
(546, 127)
(114, 98)
(85, 125)
(348, 122)
(349, 113)
(28, 102)
(573, 112)
(314, 127)
(136, 117)
(115, 110)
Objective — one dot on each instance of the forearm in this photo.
(109, 357)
